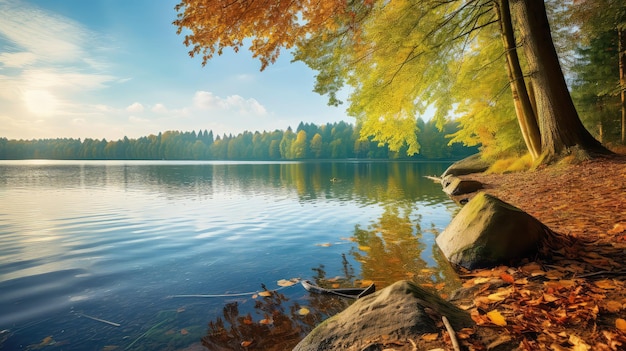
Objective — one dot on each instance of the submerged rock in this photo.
(488, 232)
(400, 311)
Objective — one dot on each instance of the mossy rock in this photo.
(488, 232)
(402, 311)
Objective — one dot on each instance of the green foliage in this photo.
(596, 87)
(394, 72)
(336, 140)
(485, 108)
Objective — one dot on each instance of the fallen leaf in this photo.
(430, 337)
(532, 267)
(579, 344)
(621, 324)
(507, 277)
(559, 284)
(266, 321)
(246, 343)
(324, 244)
(549, 298)
(481, 280)
(465, 333)
(47, 340)
(285, 282)
(303, 311)
(500, 295)
(265, 293)
(617, 228)
(184, 331)
(605, 284)
(613, 306)
(496, 318)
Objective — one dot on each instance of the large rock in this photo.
(488, 232)
(455, 186)
(468, 165)
(400, 311)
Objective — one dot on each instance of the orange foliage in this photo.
(210, 26)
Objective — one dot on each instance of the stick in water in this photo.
(99, 320)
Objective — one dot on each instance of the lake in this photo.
(144, 255)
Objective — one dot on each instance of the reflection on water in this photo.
(115, 240)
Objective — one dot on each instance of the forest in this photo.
(309, 141)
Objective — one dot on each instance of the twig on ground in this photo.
(455, 342)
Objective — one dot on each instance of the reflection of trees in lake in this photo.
(276, 323)
(392, 249)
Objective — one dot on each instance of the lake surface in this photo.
(103, 255)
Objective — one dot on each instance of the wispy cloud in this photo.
(135, 107)
(209, 101)
(50, 38)
(47, 60)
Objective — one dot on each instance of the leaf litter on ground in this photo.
(573, 297)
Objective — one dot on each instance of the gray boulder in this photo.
(489, 232)
(400, 311)
(468, 165)
(454, 186)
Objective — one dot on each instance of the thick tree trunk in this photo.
(622, 77)
(559, 124)
(521, 100)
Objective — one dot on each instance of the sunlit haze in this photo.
(112, 68)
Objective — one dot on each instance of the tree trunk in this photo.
(559, 124)
(622, 78)
(521, 100)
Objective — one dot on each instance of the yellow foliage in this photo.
(428, 58)
(496, 318)
(511, 164)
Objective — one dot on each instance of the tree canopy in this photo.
(437, 54)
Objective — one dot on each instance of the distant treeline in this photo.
(309, 141)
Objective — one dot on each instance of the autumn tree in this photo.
(396, 72)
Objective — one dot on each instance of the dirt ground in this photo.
(574, 297)
(584, 200)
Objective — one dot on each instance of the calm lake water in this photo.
(95, 255)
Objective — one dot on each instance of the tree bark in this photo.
(559, 124)
(521, 100)
(622, 77)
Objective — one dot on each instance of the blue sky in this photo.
(115, 68)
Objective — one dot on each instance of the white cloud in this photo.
(205, 100)
(159, 108)
(135, 107)
(135, 119)
(49, 37)
(17, 59)
(63, 78)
